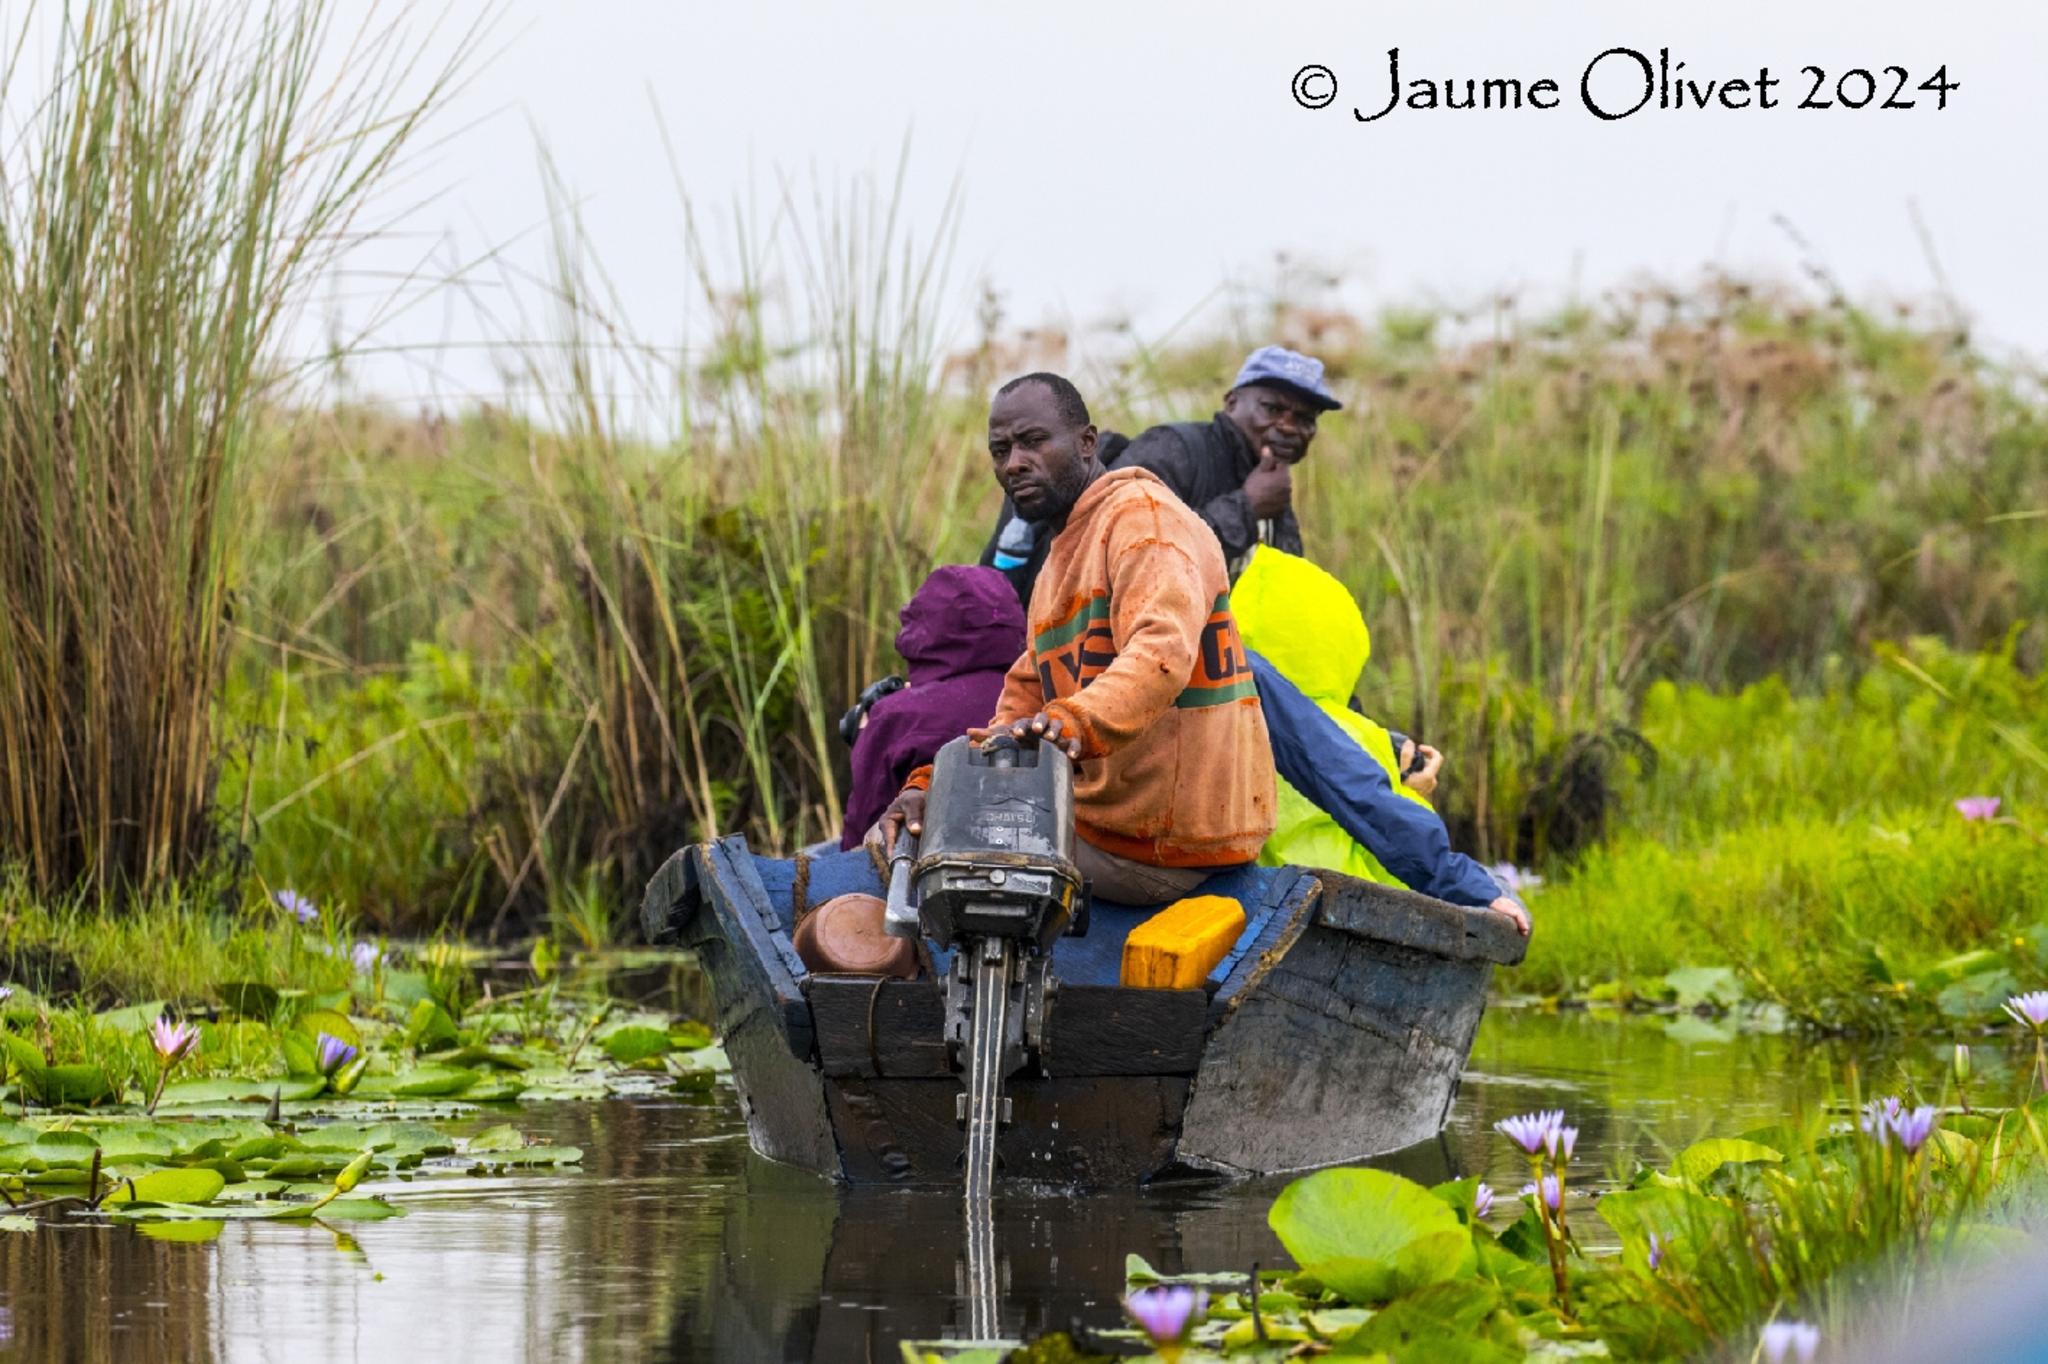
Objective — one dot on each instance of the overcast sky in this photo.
(1130, 160)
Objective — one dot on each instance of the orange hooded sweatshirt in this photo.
(1134, 648)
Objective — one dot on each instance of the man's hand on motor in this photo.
(1513, 909)
(907, 810)
(1269, 487)
(1047, 729)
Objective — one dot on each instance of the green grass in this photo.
(1813, 844)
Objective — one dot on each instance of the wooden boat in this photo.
(1335, 1030)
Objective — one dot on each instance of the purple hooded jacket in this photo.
(961, 632)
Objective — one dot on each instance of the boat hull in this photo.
(1336, 1030)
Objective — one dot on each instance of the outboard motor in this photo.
(995, 882)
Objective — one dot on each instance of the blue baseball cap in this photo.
(1289, 369)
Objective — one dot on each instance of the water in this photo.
(676, 1243)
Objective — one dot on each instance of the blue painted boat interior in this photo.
(1094, 959)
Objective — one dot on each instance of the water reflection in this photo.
(676, 1243)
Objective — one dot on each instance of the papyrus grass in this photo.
(185, 174)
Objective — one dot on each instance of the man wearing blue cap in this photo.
(1234, 470)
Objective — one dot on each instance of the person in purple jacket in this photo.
(961, 632)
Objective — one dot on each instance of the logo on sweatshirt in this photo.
(1076, 651)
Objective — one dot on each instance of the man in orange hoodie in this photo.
(1133, 667)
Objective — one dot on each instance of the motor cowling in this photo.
(996, 858)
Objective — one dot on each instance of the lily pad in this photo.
(340, 1210)
(494, 1089)
(82, 1084)
(527, 1156)
(503, 1137)
(24, 1057)
(629, 1044)
(57, 1150)
(1138, 1271)
(422, 1082)
(430, 1027)
(250, 998)
(1698, 1162)
(1369, 1234)
(170, 1186)
(335, 1024)
(134, 1018)
(233, 1089)
(395, 1138)
(1712, 986)
(1438, 1322)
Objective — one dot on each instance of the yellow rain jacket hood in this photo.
(1311, 631)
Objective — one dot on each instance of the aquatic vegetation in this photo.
(173, 1042)
(1532, 1132)
(1167, 1313)
(1756, 1246)
(2030, 1009)
(331, 1053)
(296, 905)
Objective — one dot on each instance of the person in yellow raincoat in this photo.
(1342, 804)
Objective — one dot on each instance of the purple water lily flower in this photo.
(331, 1053)
(173, 1041)
(1656, 1251)
(1791, 1340)
(1482, 1200)
(2030, 1009)
(296, 905)
(1553, 1192)
(1532, 1132)
(1878, 1118)
(366, 957)
(1978, 809)
(1563, 1139)
(1913, 1127)
(1167, 1312)
(1513, 879)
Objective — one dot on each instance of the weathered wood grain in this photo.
(1402, 918)
(908, 1040)
(1348, 1048)
(1106, 1030)
(1090, 1029)
(1092, 1131)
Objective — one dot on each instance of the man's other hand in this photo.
(1422, 780)
(906, 811)
(1269, 487)
(1513, 909)
(1047, 729)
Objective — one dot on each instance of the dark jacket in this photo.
(960, 633)
(1316, 757)
(1205, 463)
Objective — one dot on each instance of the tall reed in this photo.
(189, 171)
